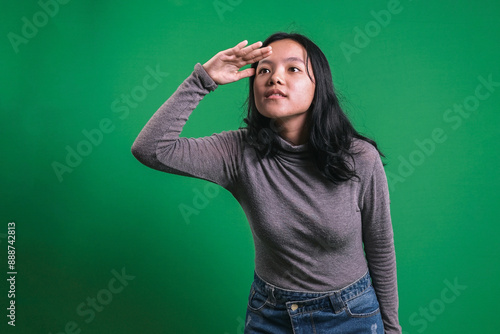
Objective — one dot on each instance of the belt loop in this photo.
(337, 302)
(272, 295)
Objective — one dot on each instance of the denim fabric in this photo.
(353, 309)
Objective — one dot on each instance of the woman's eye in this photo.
(294, 69)
(263, 70)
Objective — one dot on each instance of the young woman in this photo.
(313, 189)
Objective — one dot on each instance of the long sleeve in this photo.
(379, 246)
(158, 145)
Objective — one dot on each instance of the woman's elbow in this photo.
(140, 153)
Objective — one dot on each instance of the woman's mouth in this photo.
(275, 94)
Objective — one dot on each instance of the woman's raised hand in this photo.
(225, 66)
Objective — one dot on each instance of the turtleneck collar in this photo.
(295, 154)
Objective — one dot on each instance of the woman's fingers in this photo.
(251, 47)
(242, 49)
(224, 66)
(251, 53)
(246, 73)
(257, 55)
(239, 46)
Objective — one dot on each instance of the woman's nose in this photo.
(276, 79)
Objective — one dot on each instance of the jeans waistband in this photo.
(338, 298)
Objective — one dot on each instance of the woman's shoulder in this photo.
(365, 154)
(363, 148)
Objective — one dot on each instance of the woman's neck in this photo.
(293, 130)
(295, 138)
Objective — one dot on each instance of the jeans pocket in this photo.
(256, 300)
(364, 305)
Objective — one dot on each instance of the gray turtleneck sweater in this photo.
(309, 234)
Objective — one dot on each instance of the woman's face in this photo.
(282, 87)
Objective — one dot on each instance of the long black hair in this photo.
(330, 131)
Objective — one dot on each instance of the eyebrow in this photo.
(289, 59)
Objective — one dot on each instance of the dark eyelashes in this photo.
(293, 68)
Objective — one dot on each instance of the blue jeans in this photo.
(353, 309)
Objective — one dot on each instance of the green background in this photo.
(193, 275)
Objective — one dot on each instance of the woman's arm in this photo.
(379, 245)
(159, 146)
